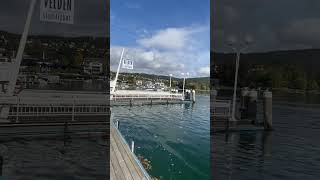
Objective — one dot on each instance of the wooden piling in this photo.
(117, 124)
(244, 103)
(193, 96)
(132, 146)
(267, 104)
(252, 107)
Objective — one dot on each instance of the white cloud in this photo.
(204, 71)
(168, 51)
(170, 38)
(146, 61)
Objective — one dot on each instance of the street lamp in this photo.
(170, 80)
(238, 52)
(184, 82)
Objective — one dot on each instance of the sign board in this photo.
(59, 11)
(127, 64)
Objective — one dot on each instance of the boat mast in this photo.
(117, 74)
(15, 68)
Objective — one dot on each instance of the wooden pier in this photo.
(136, 97)
(124, 165)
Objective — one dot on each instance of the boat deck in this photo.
(123, 163)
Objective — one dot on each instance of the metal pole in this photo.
(235, 87)
(73, 104)
(117, 74)
(18, 109)
(15, 70)
(184, 81)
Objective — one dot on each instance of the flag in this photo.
(127, 64)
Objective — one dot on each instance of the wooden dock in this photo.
(124, 165)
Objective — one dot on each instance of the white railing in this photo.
(150, 96)
(140, 95)
(26, 110)
(54, 105)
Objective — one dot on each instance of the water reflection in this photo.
(79, 158)
(288, 152)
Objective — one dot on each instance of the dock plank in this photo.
(116, 166)
(127, 154)
(124, 165)
(121, 161)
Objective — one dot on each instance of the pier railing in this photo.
(147, 96)
(72, 107)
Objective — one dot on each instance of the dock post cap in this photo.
(267, 94)
(244, 91)
(253, 93)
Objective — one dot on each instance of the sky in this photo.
(90, 19)
(269, 24)
(162, 37)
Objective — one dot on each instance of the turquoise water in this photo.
(175, 138)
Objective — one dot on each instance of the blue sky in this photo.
(162, 37)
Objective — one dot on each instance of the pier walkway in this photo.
(124, 165)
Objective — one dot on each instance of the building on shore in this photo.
(93, 66)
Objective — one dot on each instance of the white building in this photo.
(139, 83)
(93, 66)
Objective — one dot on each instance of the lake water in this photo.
(289, 152)
(175, 138)
(50, 159)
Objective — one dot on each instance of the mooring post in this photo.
(18, 109)
(193, 96)
(252, 107)
(117, 124)
(244, 103)
(132, 146)
(267, 104)
(73, 109)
